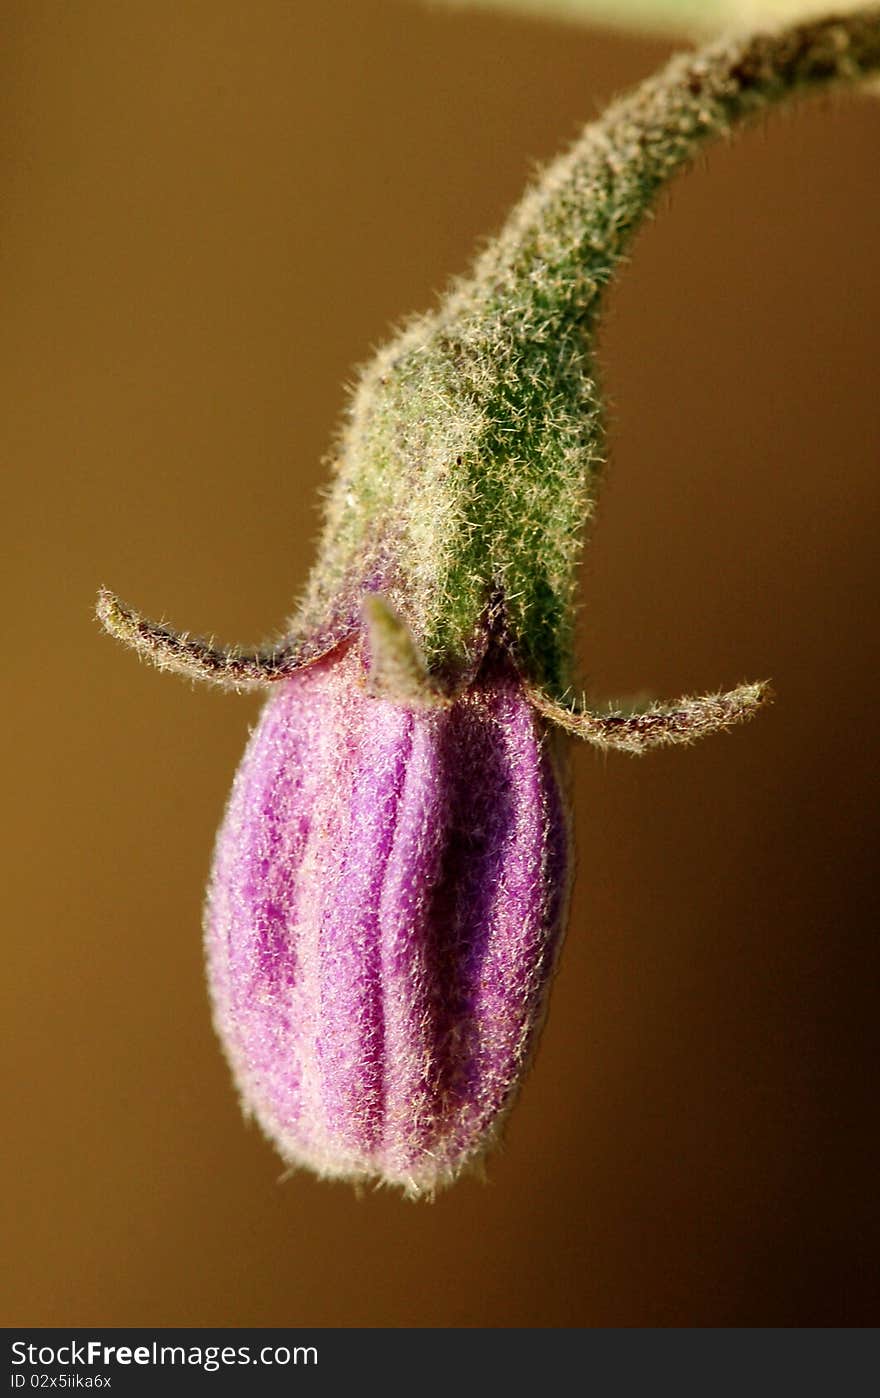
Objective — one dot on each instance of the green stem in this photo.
(471, 455)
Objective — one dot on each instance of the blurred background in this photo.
(211, 210)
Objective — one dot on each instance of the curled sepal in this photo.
(397, 667)
(661, 725)
(200, 659)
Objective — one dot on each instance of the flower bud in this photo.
(383, 921)
(390, 877)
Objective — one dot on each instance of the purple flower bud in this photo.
(383, 921)
(390, 877)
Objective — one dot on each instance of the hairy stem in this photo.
(475, 440)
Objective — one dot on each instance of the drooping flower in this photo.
(389, 884)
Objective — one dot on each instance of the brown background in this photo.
(210, 211)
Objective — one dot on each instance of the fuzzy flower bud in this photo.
(389, 883)
(383, 919)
